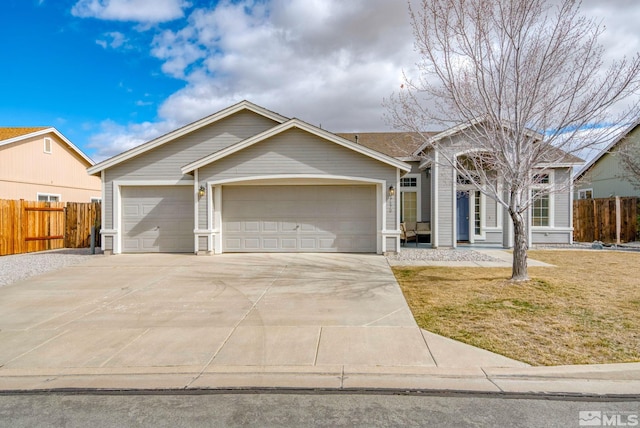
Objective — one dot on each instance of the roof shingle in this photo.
(8, 133)
(395, 144)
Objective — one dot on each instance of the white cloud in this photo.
(131, 10)
(620, 19)
(328, 62)
(114, 138)
(113, 40)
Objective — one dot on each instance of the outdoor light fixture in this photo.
(201, 191)
(392, 191)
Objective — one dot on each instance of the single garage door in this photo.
(157, 219)
(299, 218)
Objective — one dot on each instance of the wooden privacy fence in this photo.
(27, 226)
(611, 220)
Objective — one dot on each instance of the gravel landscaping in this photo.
(21, 266)
(441, 255)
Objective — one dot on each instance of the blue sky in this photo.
(111, 74)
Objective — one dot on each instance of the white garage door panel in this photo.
(299, 218)
(157, 219)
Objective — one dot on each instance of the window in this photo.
(541, 179)
(96, 199)
(47, 145)
(47, 197)
(585, 194)
(542, 199)
(409, 182)
(408, 206)
(540, 213)
(410, 198)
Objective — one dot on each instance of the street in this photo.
(301, 409)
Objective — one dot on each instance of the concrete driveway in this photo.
(166, 313)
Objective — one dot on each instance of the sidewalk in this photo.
(458, 368)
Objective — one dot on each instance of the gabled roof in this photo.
(623, 135)
(14, 135)
(291, 124)
(555, 156)
(460, 128)
(400, 145)
(194, 126)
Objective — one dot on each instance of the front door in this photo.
(462, 215)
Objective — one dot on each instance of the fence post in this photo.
(93, 239)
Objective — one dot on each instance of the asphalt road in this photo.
(273, 409)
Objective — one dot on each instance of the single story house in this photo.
(246, 179)
(41, 164)
(604, 176)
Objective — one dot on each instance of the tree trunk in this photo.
(519, 270)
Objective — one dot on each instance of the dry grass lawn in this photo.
(586, 310)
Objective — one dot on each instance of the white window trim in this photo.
(552, 203)
(582, 193)
(417, 190)
(49, 142)
(49, 195)
(483, 217)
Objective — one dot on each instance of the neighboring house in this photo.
(247, 179)
(40, 164)
(604, 176)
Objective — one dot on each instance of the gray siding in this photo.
(107, 200)
(426, 195)
(391, 245)
(164, 162)
(491, 212)
(607, 178)
(298, 152)
(493, 237)
(203, 207)
(550, 237)
(445, 206)
(562, 200)
(202, 243)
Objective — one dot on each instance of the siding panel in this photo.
(562, 200)
(164, 162)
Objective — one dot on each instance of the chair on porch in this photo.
(408, 232)
(423, 229)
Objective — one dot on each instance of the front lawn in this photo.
(586, 310)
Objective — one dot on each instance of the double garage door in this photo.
(254, 218)
(299, 218)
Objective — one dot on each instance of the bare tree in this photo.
(523, 80)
